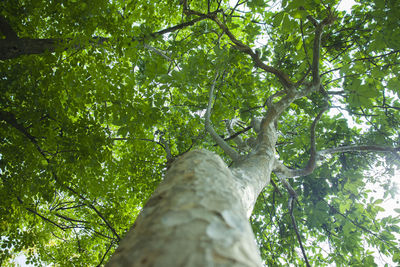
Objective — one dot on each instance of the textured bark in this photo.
(198, 216)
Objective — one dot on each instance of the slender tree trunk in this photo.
(199, 215)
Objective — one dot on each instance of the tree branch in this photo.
(359, 225)
(166, 146)
(69, 219)
(105, 254)
(293, 196)
(288, 173)
(233, 135)
(283, 77)
(313, 149)
(316, 55)
(315, 69)
(360, 59)
(90, 205)
(360, 148)
(158, 52)
(11, 119)
(177, 27)
(13, 47)
(218, 139)
(281, 169)
(237, 139)
(63, 228)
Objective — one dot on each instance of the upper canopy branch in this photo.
(317, 52)
(283, 77)
(315, 67)
(13, 46)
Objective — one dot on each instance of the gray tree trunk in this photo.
(199, 215)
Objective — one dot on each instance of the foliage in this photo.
(84, 128)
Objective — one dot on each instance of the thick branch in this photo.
(276, 109)
(27, 46)
(105, 254)
(315, 68)
(166, 147)
(312, 162)
(218, 139)
(316, 55)
(313, 149)
(283, 77)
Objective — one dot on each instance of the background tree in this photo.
(99, 98)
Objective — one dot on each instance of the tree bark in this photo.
(199, 215)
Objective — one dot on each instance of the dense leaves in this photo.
(91, 119)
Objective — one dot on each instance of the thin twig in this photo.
(11, 119)
(90, 205)
(63, 228)
(105, 254)
(358, 225)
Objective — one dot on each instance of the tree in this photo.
(278, 112)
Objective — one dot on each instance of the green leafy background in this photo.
(83, 129)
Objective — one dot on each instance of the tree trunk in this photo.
(199, 215)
